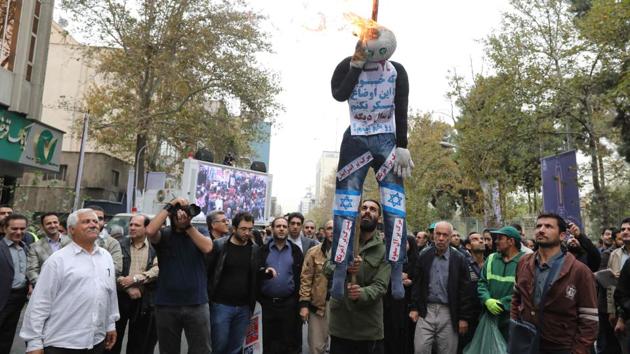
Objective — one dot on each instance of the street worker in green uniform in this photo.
(498, 274)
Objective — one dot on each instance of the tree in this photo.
(168, 68)
(434, 190)
(549, 77)
(605, 24)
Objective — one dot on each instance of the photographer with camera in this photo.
(181, 299)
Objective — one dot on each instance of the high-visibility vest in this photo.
(500, 278)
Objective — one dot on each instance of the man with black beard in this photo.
(356, 321)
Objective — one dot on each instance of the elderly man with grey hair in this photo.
(74, 305)
(441, 300)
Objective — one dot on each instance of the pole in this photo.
(374, 10)
(77, 182)
(357, 229)
(135, 178)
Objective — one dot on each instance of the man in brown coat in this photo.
(314, 292)
(570, 305)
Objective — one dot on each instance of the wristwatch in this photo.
(135, 279)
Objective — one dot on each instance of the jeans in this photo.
(193, 320)
(229, 326)
(357, 154)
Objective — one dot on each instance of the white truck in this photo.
(216, 187)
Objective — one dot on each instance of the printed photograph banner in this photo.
(560, 188)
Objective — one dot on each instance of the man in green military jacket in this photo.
(498, 274)
(356, 321)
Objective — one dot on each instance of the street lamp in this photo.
(135, 178)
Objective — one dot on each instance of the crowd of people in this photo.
(231, 191)
(493, 291)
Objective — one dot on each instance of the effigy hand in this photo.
(360, 55)
(403, 164)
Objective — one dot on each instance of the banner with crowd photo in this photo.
(232, 190)
(253, 338)
(561, 194)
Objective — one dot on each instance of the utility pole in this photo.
(77, 181)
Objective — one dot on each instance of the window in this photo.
(31, 50)
(57, 176)
(115, 178)
(9, 24)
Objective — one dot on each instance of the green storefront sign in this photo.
(29, 142)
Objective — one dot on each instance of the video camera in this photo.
(191, 210)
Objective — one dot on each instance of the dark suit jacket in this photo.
(307, 243)
(460, 298)
(6, 272)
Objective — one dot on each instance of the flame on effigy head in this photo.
(364, 28)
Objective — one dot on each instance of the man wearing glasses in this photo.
(235, 272)
(218, 224)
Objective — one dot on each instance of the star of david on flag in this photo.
(347, 202)
(393, 199)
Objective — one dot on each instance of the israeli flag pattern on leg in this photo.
(347, 202)
(393, 199)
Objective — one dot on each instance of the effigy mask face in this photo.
(381, 45)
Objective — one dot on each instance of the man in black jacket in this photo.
(234, 275)
(441, 300)
(583, 248)
(282, 329)
(14, 284)
(135, 285)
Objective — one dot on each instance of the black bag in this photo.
(525, 336)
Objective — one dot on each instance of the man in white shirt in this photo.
(295, 233)
(80, 281)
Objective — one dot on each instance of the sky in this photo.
(434, 39)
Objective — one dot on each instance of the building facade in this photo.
(26, 142)
(105, 176)
(326, 166)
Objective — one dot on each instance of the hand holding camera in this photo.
(180, 204)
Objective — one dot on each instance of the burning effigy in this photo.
(377, 91)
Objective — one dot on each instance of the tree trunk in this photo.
(603, 191)
(598, 197)
(141, 141)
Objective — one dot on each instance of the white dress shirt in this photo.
(297, 241)
(74, 303)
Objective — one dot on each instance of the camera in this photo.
(191, 209)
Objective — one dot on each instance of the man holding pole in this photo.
(356, 321)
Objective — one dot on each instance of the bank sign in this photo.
(29, 142)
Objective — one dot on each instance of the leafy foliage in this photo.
(166, 68)
(558, 79)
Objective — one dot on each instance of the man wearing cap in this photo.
(497, 276)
